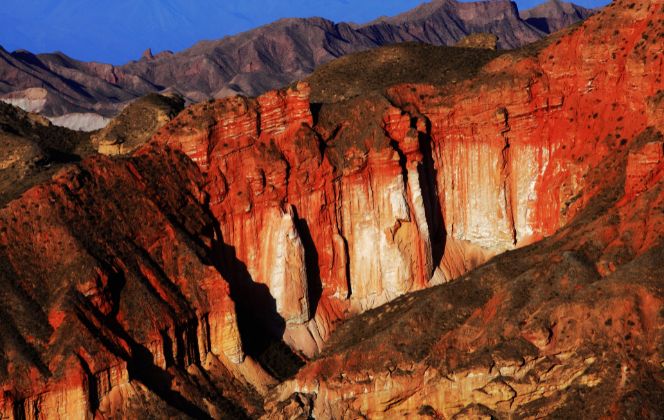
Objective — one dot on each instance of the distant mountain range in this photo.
(258, 60)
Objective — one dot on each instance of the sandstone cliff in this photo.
(563, 143)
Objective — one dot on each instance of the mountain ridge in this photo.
(249, 63)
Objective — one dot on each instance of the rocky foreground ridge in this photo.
(129, 279)
(253, 62)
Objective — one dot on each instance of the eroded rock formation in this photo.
(332, 221)
(137, 123)
(566, 144)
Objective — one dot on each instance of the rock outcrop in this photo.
(305, 235)
(137, 123)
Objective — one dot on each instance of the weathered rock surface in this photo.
(253, 62)
(107, 313)
(481, 40)
(306, 236)
(380, 68)
(331, 221)
(32, 150)
(137, 123)
(566, 144)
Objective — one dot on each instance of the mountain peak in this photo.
(147, 54)
(554, 15)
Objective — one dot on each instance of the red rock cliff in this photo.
(313, 222)
(564, 144)
(116, 297)
(379, 198)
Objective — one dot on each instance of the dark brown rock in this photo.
(555, 15)
(147, 54)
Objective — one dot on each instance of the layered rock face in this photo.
(109, 313)
(379, 198)
(563, 143)
(117, 297)
(315, 222)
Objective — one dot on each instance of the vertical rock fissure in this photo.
(19, 410)
(93, 393)
(506, 172)
(433, 210)
(338, 203)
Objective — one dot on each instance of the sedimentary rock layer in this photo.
(564, 143)
(117, 300)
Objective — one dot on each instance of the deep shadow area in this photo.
(142, 368)
(433, 211)
(93, 393)
(315, 285)
(272, 353)
(260, 325)
(540, 23)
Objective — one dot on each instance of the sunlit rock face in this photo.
(315, 221)
(564, 145)
(122, 275)
(380, 198)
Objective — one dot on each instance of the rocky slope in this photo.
(33, 149)
(118, 316)
(250, 63)
(137, 123)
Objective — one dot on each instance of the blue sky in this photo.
(117, 31)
